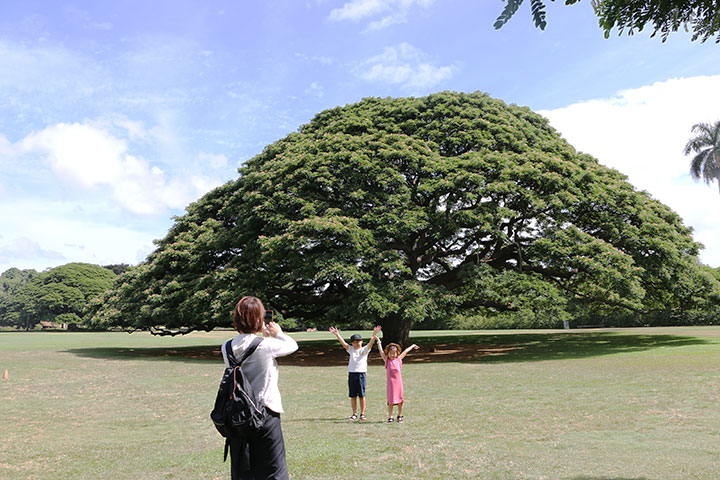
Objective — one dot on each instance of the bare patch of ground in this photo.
(330, 355)
(311, 355)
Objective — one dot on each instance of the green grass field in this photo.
(578, 405)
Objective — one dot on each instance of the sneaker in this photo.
(400, 419)
(363, 417)
(391, 420)
(353, 416)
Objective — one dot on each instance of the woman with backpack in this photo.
(261, 454)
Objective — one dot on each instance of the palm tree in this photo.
(705, 164)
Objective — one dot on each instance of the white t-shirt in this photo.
(261, 368)
(358, 359)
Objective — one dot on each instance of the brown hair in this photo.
(249, 315)
(390, 345)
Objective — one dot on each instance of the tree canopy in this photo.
(14, 303)
(415, 209)
(701, 17)
(61, 295)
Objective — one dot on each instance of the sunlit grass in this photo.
(610, 404)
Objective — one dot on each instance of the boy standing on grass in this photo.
(357, 369)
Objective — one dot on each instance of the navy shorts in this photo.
(356, 384)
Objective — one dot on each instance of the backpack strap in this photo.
(229, 353)
(248, 351)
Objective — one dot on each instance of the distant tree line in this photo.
(59, 296)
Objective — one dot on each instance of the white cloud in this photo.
(63, 231)
(86, 156)
(642, 132)
(315, 89)
(394, 11)
(386, 22)
(23, 247)
(135, 130)
(403, 64)
(359, 9)
(79, 154)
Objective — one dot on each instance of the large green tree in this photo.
(404, 210)
(705, 146)
(701, 17)
(61, 294)
(15, 308)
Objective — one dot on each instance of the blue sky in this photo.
(115, 115)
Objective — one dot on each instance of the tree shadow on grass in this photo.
(531, 347)
(205, 353)
(478, 348)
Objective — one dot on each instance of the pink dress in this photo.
(394, 381)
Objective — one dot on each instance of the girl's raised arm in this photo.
(405, 352)
(382, 352)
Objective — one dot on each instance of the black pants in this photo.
(266, 458)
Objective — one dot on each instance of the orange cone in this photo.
(5, 375)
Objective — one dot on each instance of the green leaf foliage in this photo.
(14, 303)
(58, 295)
(701, 17)
(416, 210)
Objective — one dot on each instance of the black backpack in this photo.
(238, 410)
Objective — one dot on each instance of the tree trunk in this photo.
(396, 329)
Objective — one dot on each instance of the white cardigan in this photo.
(261, 368)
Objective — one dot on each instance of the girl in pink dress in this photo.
(393, 364)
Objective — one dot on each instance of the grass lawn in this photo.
(579, 405)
